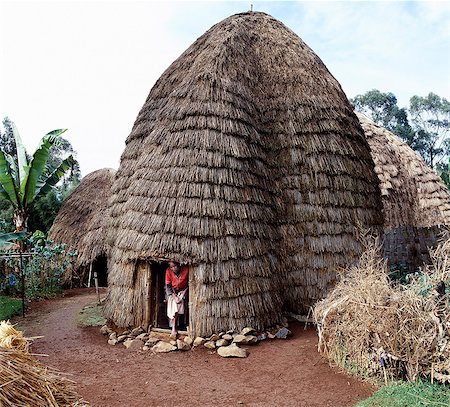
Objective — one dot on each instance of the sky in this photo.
(89, 65)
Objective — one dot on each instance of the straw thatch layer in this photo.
(413, 194)
(415, 200)
(81, 221)
(248, 163)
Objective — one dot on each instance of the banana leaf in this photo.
(8, 189)
(36, 166)
(45, 185)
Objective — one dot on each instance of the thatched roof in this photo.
(412, 193)
(248, 163)
(81, 221)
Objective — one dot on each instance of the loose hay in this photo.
(10, 338)
(25, 381)
(378, 329)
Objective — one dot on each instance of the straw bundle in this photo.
(81, 221)
(25, 382)
(10, 338)
(247, 163)
(377, 329)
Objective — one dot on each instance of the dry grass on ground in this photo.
(386, 331)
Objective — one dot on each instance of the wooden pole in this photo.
(22, 276)
(90, 276)
(96, 286)
(148, 297)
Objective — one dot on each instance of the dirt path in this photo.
(276, 373)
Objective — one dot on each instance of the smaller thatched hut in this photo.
(80, 224)
(416, 203)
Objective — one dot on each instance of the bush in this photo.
(43, 270)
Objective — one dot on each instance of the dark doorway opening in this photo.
(101, 267)
(159, 318)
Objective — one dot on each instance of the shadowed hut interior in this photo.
(246, 163)
(81, 225)
(416, 203)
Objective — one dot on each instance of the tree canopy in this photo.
(424, 125)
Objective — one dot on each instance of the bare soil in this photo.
(276, 373)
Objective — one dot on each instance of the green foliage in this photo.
(9, 307)
(23, 180)
(43, 271)
(408, 395)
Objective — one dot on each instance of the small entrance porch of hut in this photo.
(157, 298)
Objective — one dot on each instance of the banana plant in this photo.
(23, 180)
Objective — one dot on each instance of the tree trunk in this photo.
(21, 220)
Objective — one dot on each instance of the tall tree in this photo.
(24, 180)
(430, 116)
(382, 108)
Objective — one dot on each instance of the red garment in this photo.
(177, 282)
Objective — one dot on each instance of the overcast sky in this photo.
(89, 66)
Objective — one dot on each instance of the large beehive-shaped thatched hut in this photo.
(415, 200)
(248, 164)
(81, 225)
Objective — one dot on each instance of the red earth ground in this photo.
(276, 373)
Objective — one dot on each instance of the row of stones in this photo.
(226, 343)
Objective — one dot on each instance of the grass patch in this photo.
(91, 315)
(409, 394)
(9, 307)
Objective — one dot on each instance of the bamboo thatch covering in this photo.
(415, 200)
(81, 220)
(248, 163)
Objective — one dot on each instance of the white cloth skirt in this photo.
(174, 308)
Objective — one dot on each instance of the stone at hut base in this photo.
(230, 332)
(173, 342)
(137, 331)
(222, 342)
(221, 334)
(210, 345)
(182, 345)
(232, 351)
(248, 331)
(283, 333)
(188, 340)
(214, 337)
(105, 330)
(262, 337)
(133, 344)
(112, 341)
(113, 336)
(121, 338)
(152, 341)
(145, 347)
(199, 341)
(245, 340)
(163, 347)
(227, 337)
(126, 332)
(143, 337)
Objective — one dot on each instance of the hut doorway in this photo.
(158, 301)
(100, 266)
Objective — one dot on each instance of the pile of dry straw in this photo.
(382, 330)
(26, 382)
